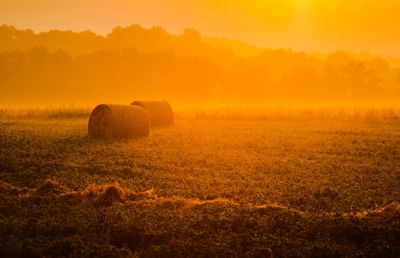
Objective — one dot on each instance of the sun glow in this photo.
(279, 14)
(301, 3)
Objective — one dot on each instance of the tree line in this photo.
(134, 62)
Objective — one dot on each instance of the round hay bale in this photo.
(122, 121)
(160, 112)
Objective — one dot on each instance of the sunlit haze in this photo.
(311, 25)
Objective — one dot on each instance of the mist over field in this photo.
(81, 68)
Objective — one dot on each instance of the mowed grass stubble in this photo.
(316, 166)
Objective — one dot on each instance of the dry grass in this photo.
(110, 220)
(44, 112)
(279, 114)
(324, 185)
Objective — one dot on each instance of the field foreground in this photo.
(299, 185)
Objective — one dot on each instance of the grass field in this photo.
(316, 183)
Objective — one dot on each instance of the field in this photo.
(311, 183)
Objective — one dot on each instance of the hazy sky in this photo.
(299, 24)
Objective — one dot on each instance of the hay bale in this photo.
(160, 112)
(123, 121)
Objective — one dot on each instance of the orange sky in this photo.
(299, 24)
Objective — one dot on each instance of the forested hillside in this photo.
(133, 62)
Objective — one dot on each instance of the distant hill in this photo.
(239, 47)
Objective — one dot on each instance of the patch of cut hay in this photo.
(161, 114)
(9, 189)
(121, 121)
(389, 211)
(107, 195)
(178, 202)
(52, 187)
(279, 208)
(111, 194)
